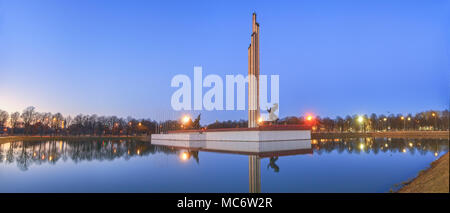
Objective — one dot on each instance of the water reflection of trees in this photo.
(27, 153)
(383, 145)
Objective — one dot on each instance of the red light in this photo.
(309, 118)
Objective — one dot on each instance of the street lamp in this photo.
(184, 121)
(260, 120)
(361, 121)
(435, 120)
(403, 119)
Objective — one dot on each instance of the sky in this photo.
(118, 57)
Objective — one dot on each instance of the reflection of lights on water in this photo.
(43, 157)
(115, 150)
(361, 146)
(50, 158)
(34, 154)
(138, 152)
(60, 145)
(410, 144)
(128, 151)
(385, 145)
(435, 154)
(184, 156)
(404, 150)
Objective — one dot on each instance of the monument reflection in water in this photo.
(254, 150)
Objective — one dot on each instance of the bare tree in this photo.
(14, 121)
(4, 116)
(28, 116)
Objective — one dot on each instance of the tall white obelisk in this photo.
(253, 76)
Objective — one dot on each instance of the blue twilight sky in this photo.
(118, 57)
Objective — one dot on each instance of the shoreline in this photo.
(87, 137)
(434, 179)
(314, 135)
(393, 134)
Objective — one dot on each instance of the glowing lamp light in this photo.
(403, 118)
(140, 124)
(260, 120)
(384, 119)
(409, 118)
(186, 119)
(435, 154)
(360, 119)
(309, 118)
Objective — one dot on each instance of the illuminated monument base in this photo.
(247, 140)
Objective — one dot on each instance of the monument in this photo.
(258, 137)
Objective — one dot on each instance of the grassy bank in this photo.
(394, 134)
(66, 138)
(433, 180)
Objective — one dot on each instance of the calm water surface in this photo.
(349, 165)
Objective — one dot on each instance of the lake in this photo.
(331, 165)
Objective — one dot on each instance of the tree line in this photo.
(426, 120)
(32, 122)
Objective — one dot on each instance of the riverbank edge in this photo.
(435, 179)
(396, 134)
(314, 135)
(39, 138)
